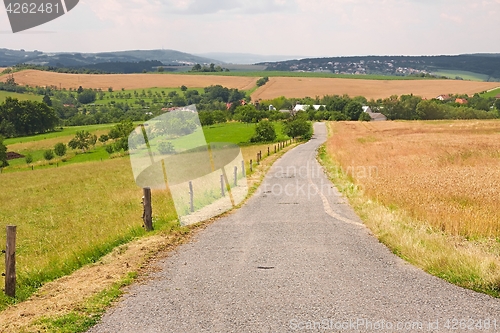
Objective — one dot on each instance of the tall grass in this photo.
(432, 196)
(444, 173)
(71, 216)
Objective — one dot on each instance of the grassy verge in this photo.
(472, 264)
(76, 302)
(86, 316)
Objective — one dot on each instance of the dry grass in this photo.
(446, 173)
(299, 87)
(129, 81)
(429, 190)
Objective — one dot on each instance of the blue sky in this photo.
(285, 27)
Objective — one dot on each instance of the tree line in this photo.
(114, 67)
(21, 118)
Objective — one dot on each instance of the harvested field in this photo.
(129, 81)
(444, 174)
(299, 87)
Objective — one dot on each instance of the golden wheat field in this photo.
(446, 174)
(128, 81)
(299, 87)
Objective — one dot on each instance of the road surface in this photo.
(295, 258)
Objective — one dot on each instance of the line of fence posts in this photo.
(281, 145)
(277, 148)
(10, 261)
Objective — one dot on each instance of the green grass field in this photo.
(64, 133)
(463, 74)
(21, 97)
(234, 132)
(72, 215)
(149, 95)
(68, 217)
(492, 93)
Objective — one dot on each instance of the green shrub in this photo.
(60, 149)
(48, 155)
(298, 127)
(264, 132)
(28, 158)
(364, 117)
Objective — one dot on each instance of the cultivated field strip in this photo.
(300, 87)
(444, 173)
(129, 81)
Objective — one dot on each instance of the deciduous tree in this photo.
(82, 140)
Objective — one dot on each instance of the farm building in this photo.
(461, 101)
(302, 107)
(374, 115)
(443, 97)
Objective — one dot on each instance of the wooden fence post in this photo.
(10, 262)
(243, 168)
(222, 185)
(275, 149)
(251, 166)
(258, 161)
(148, 209)
(268, 151)
(191, 196)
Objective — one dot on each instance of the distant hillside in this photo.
(485, 64)
(246, 58)
(78, 60)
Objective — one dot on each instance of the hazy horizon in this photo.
(313, 28)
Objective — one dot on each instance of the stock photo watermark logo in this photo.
(171, 152)
(27, 14)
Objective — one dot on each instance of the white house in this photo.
(303, 107)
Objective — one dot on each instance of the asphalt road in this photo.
(295, 258)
